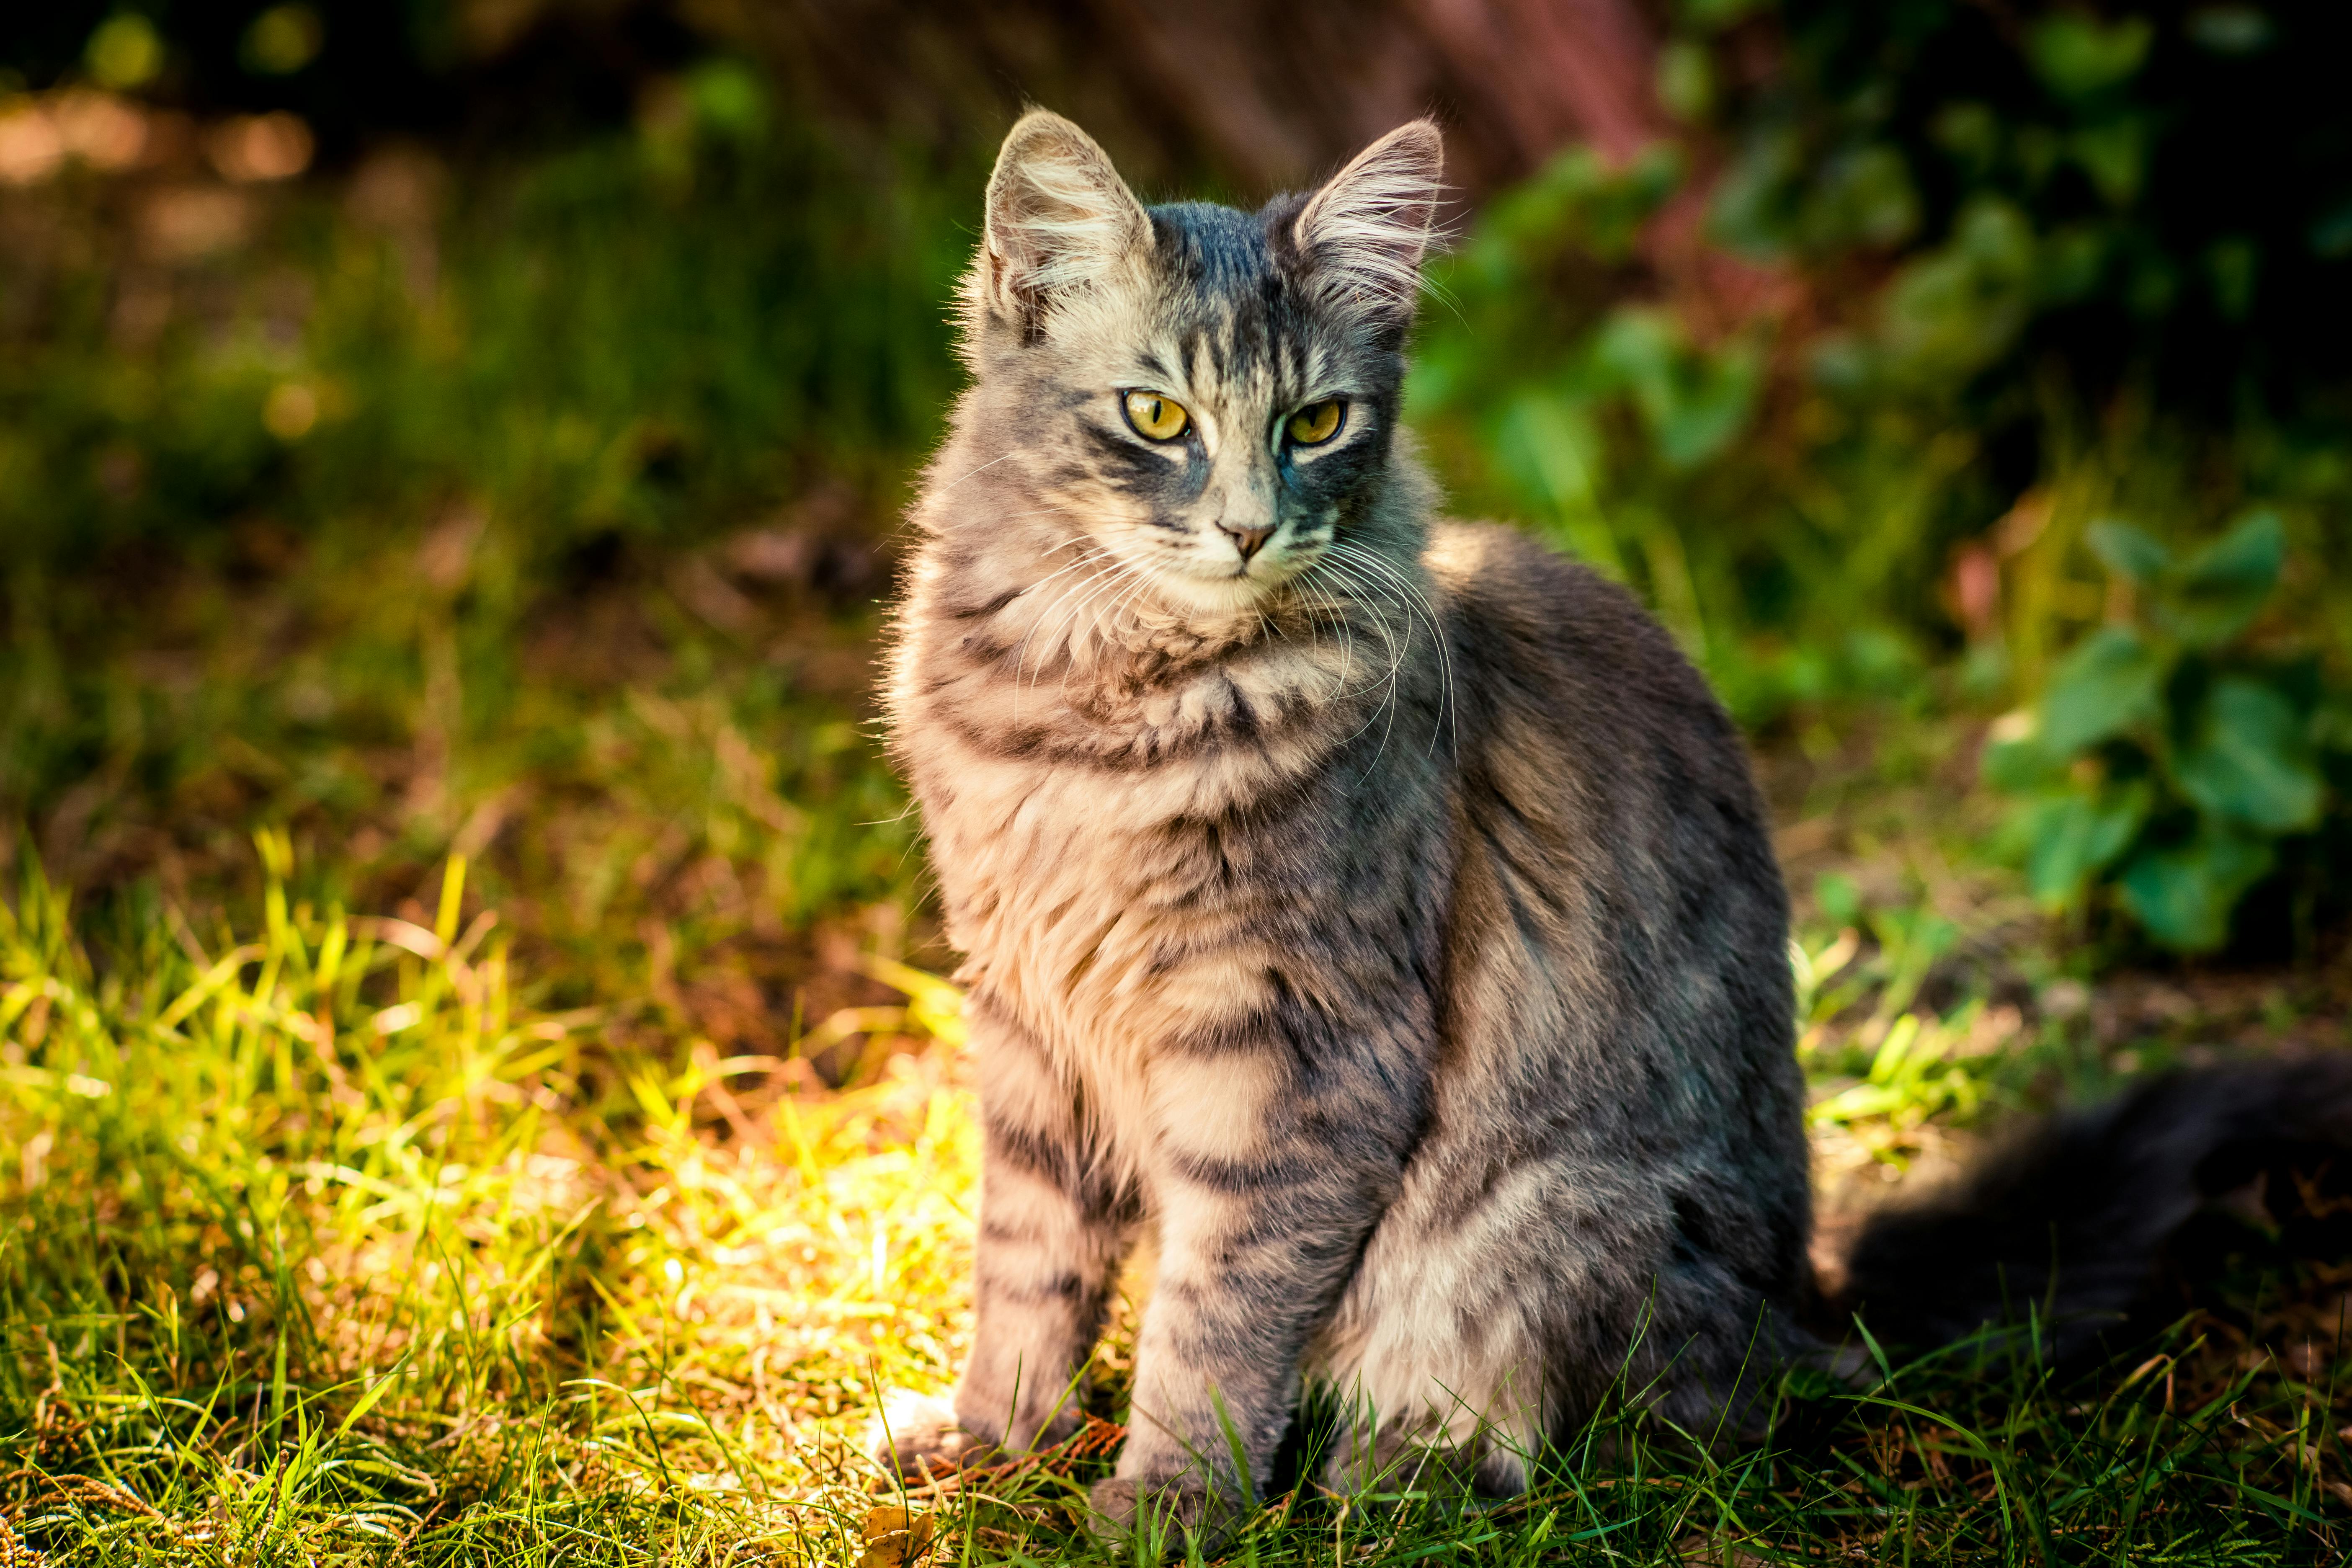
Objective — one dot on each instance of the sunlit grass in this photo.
(318, 1238)
(318, 1247)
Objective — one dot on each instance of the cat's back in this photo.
(1617, 1094)
(1618, 864)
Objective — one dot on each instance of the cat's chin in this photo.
(1209, 601)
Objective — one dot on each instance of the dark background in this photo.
(585, 349)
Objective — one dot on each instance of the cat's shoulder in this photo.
(1568, 640)
(1502, 576)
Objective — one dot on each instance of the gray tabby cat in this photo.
(1378, 912)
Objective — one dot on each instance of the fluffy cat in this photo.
(1376, 912)
(1380, 912)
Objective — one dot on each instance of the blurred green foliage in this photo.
(395, 518)
(650, 335)
(1841, 382)
(2010, 272)
(1552, 392)
(1790, 522)
(2110, 244)
(2157, 193)
(2171, 764)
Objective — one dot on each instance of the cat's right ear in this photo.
(1060, 218)
(1364, 233)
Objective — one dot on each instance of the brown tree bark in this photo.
(1239, 99)
(1267, 95)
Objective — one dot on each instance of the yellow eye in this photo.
(1155, 417)
(1317, 422)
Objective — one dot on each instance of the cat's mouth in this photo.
(1227, 588)
(1197, 582)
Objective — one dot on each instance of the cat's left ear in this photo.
(1059, 218)
(1363, 234)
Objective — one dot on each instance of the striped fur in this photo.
(1383, 924)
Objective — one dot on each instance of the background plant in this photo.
(2173, 764)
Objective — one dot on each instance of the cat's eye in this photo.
(1317, 422)
(1156, 418)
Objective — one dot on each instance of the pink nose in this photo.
(1248, 541)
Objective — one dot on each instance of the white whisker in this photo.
(1449, 712)
(1021, 652)
(1369, 596)
(990, 464)
(1106, 581)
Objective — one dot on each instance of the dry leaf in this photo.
(895, 1538)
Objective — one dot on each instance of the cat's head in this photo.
(1205, 397)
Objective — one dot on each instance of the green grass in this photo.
(479, 597)
(319, 1245)
(683, 827)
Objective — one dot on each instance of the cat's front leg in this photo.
(1267, 1168)
(1053, 1225)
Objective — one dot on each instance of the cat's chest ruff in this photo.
(1066, 811)
(1075, 880)
(1084, 919)
(1075, 897)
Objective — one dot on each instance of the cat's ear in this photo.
(1363, 234)
(1060, 218)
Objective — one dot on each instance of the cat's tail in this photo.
(2069, 1219)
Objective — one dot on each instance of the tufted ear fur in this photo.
(1363, 235)
(1060, 218)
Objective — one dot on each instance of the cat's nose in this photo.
(1248, 541)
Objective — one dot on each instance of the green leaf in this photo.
(2016, 760)
(2074, 838)
(2075, 56)
(1838, 897)
(1710, 406)
(2104, 687)
(2251, 761)
(1955, 308)
(2127, 552)
(1693, 402)
(2223, 588)
(2115, 157)
(1548, 445)
(2331, 726)
(2016, 764)
(729, 99)
(1865, 196)
(2182, 895)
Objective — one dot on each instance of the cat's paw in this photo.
(1173, 1513)
(916, 1436)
